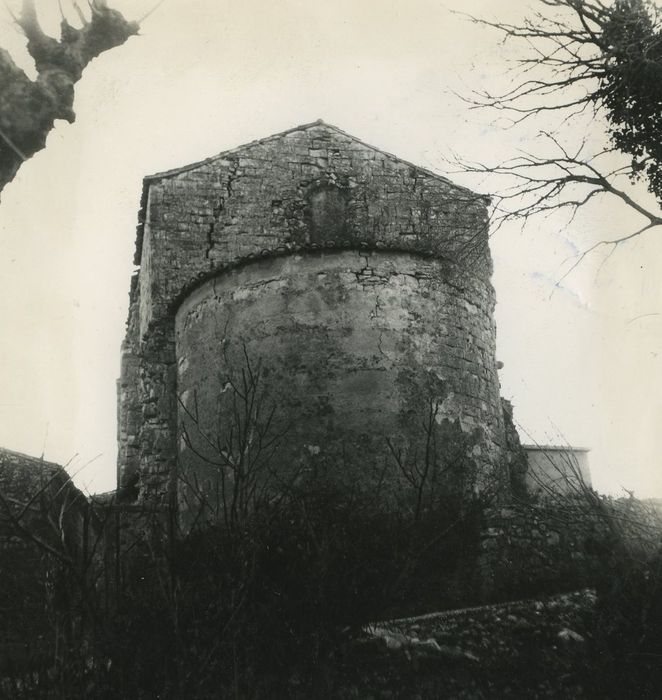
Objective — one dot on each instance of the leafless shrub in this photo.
(264, 582)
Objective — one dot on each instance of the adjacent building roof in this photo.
(21, 474)
(556, 448)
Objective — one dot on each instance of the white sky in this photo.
(582, 364)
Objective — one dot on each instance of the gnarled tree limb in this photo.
(29, 108)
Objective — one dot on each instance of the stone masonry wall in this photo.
(352, 348)
(306, 190)
(533, 548)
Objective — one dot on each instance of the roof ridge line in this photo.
(32, 458)
(303, 127)
(227, 151)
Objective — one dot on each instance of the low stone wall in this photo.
(528, 548)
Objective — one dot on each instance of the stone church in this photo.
(358, 283)
(306, 309)
(307, 305)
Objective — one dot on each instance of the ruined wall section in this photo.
(129, 408)
(309, 189)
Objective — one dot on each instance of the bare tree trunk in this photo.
(28, 109)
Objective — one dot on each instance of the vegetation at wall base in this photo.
(311, 595)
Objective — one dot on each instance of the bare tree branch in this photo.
(150, 12)
(580, 55)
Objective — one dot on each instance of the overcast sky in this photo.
(581, 353)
